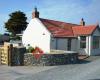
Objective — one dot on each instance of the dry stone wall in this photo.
(50, 59)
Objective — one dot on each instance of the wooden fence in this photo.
(5, 53)
(10, 55)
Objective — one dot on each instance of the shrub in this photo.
(30, 49)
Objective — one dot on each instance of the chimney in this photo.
(82, 22)
(35, 14)
(97, 24)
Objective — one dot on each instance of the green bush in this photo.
(30, 49)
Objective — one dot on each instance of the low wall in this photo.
(50, 59)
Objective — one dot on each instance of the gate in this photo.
(10, 55)
(5, 54)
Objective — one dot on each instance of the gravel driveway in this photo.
(88, 69)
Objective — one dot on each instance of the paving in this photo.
(87, 69)
(12, 73)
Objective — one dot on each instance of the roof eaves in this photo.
(96, 27)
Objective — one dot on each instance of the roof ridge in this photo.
(60, 21)
(50, 22)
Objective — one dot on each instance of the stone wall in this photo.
(50, 59)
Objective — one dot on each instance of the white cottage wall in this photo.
(36, 34)
(87, 50)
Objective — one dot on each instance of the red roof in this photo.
(60, 32)
(63, 29)
(83, 30)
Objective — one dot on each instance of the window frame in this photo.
(82, 42)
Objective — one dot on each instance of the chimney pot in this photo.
(82, 22)
(35, 14)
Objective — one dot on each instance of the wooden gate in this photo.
(11, 55)
(5, 54)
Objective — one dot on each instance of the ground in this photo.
(88, 69)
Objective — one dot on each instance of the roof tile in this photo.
(83, 30)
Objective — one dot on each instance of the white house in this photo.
(50, 34)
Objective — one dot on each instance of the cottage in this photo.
(50, 34)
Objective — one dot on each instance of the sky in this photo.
(70, 11)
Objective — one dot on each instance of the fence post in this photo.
(0, 55)
(10, 54)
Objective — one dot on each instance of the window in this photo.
(95, 42)
(83, 42)
(69, 44)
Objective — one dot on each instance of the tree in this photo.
(16, 23)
